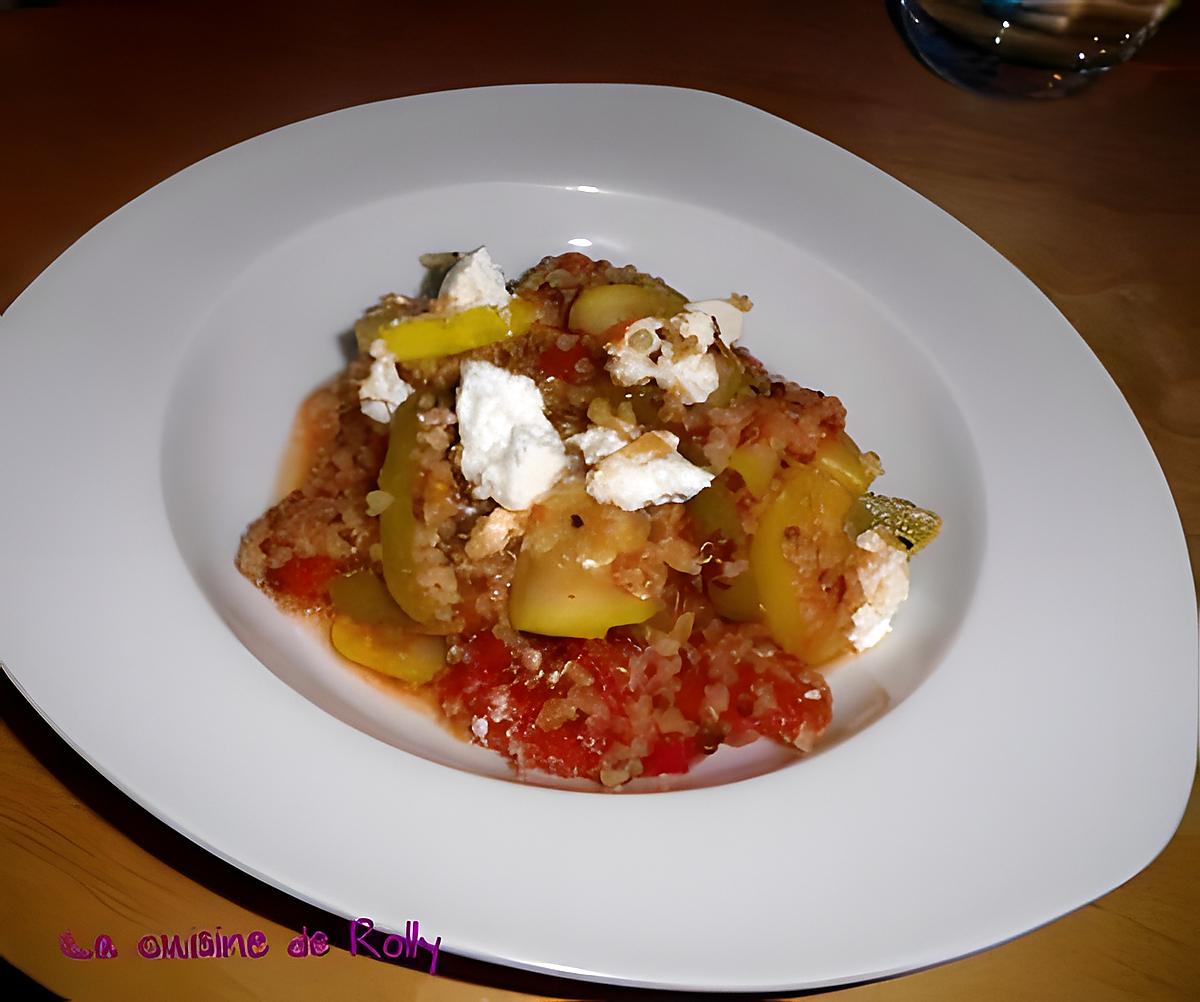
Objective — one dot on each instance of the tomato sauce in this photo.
(583, 705)
(304, 578)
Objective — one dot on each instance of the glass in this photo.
(1026, 48)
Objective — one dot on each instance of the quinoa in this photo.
(326, 516)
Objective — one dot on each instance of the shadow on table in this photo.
(15, 983)
(185, 856)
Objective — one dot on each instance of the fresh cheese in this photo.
(690, 374)
(383, 390)
(634, 357)
(684, 368)
(645, 472)
(510, 450)
(597, 442)
(474, 280)
(883, 574)
(697, 325)
(727, 317)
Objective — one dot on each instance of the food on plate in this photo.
(582, 520)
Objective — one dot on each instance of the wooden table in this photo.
(1095, 198)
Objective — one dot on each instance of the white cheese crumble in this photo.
(883, 574)
(698, 325)
(693, 376)
(648, 471)
(597, 442)
(641, 355)
(383, 390)
(475, 280)
(510, 450)
(727, 316)
(632, 363)
(479, 727)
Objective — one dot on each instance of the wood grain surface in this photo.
(1095, 198)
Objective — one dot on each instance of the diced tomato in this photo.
(560, 364)
(501, 694)
(786, 711)
(488, 653)
(773, 701)
(672, 755)
(690, 696)
(304, 577)
(490, 683)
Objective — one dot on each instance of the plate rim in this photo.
(27, 302)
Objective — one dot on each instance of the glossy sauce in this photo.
(309, 433)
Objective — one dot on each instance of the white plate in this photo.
(1023, 743)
